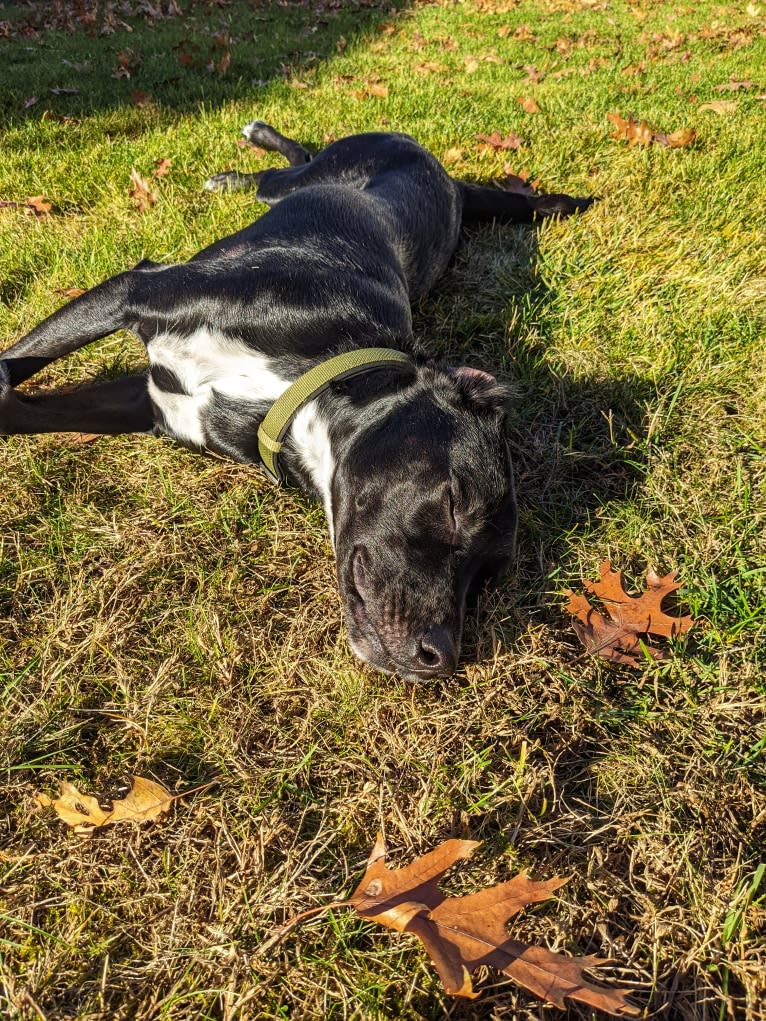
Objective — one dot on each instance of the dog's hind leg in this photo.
(481, 204)
(262, 134)
(112, 407)
(93, 315)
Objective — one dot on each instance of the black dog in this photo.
(410, 460)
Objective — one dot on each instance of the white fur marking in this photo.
(310, 436)
(207, 361)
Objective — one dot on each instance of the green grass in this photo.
(175, 616)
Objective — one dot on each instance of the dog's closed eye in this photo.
(359, 570)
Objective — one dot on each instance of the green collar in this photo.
(273, 428)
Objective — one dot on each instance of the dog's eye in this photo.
(454, 522)
(359, 569)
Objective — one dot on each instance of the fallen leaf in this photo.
(65, 91)
(30, 102)
(461, 934)
(81, 439)
(377, 89)
(528, 104)
(139, 98)
(70, 292)
(37, 205)
(677, 140)
(630, 131)
(127, 62)
(519, 183)
(141, 192)
(471, 65)
(145, 801)
(223, 64)
(719, 106)
(162, 167)
(496, 141)
(626, 129)
(428, 66)
(452, 156)
(625, 635)
(735, 86)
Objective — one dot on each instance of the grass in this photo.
(175, 616)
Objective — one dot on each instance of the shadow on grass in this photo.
(576, 441)
(66, 60)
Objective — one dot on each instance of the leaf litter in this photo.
(146, 801)
(461, 934)
(625, 634)
(627, 129)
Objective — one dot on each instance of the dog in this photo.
(290, 344)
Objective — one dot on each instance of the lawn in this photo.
(176, 617)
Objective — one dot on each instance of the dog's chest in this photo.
(187, 371)
(186, 375)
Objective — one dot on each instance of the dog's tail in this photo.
(481, 203)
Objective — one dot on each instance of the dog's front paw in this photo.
(229, 180)
(560, 205)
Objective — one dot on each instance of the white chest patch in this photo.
(208, 361)
(309, 434)
(202, 362)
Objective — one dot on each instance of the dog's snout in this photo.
(436, 655)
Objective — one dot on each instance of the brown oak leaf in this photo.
(162, 167)
(145, 801)
(677, 139)
(141, 192)
(528, 104)
(462, 933)
(625, 634)
(496, 141)
(627, 129)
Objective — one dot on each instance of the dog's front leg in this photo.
(93, 315)
(112, 407)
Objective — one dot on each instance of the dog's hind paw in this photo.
(260, 133)
(229, 180)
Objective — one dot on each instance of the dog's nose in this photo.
(436, 655)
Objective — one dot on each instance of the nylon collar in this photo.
(273, 428)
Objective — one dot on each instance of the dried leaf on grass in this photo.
(626, 635)
(634, 132)
(520, 182)
(162, 167)
(528, 104)
(495, 141)
(735, 86)
(719, 106)
(462, 933)
(141, 192)
(36, 205)
(140, 98)
(146, 801)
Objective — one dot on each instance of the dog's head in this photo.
(424, 512)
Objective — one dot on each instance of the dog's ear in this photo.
(480, 389)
